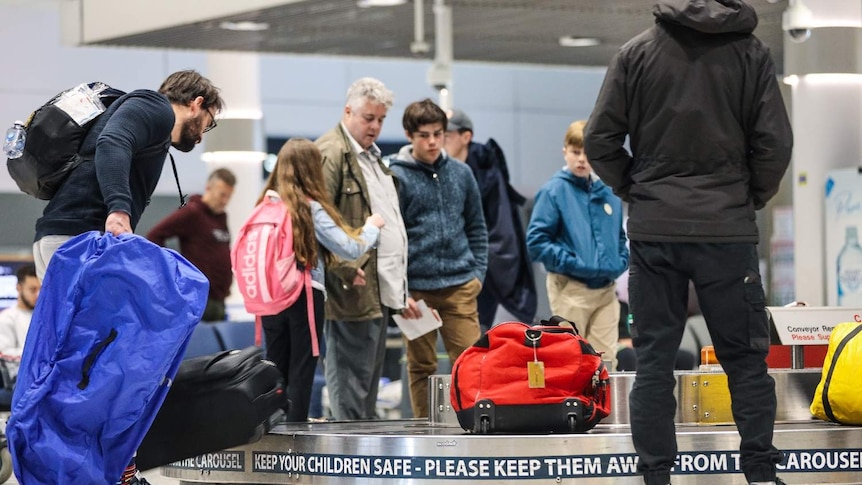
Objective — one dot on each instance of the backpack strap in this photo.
(827, 406)
(177, 178)
(258, 331)
(312, 324)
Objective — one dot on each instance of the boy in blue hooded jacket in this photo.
(576, 232)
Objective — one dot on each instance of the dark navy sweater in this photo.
(130, 142)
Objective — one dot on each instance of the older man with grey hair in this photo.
(362, 294)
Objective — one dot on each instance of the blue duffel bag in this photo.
(107, 336)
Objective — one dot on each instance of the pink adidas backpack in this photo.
(265, 267)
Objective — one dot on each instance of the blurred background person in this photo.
(204, 238)
(15, 320)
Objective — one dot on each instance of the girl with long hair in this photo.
(319, 235)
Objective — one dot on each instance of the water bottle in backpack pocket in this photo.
(16, 136)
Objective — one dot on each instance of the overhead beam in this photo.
(91, 21)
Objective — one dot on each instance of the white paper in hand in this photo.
(417, 327)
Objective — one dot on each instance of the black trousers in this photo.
(214, 311)
(487, 305)
(288, 345)
(726, 278)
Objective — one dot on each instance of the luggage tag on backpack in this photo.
(535, 368)
(81, 103)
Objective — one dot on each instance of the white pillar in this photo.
(239, 140)
(824, 72)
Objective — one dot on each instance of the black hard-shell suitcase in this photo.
(216, 401)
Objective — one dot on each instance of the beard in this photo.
(189, 135)
(30, 305)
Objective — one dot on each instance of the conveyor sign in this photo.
(228, 461)
(532, 468)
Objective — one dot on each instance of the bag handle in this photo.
(556, 323)
(533, 333)
(90, 360)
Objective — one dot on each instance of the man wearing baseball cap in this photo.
(509, 278)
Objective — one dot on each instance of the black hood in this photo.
(708, 16)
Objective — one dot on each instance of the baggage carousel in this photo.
(438, 451)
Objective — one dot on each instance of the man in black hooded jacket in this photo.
(710, 141)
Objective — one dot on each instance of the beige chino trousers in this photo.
(596, 312)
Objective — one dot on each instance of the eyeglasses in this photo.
(212, 124)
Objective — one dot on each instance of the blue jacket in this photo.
(442, 211)
(333, 238)
(577, 230)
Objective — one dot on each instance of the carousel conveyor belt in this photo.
(437, 451)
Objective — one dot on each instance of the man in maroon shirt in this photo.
(201, 227)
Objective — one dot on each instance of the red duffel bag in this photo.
(522, 378)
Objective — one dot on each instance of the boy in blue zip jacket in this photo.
(447, 242)
(576, 232)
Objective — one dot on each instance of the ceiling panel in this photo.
(516, 31)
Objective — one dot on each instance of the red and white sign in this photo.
(810, 325)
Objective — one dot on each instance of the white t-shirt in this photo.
(14, 323)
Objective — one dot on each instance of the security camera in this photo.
(440, 75)
(799, 35)
(797, 21)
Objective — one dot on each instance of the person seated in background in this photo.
(15, 320)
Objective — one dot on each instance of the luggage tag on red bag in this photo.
(535, 368)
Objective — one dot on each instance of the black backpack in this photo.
(54, 138)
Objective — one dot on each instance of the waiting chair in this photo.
(204, 341)
(235, 335)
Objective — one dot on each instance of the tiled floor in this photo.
(152, 476)
(156, 478)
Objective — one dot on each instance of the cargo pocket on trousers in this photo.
(758, 320)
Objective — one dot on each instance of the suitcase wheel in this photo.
(484, 425)
(573, 424)
(485, 413)
(575, 415)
